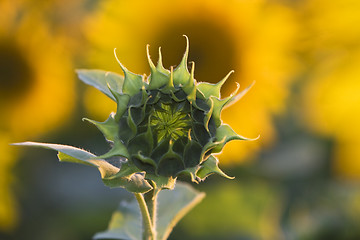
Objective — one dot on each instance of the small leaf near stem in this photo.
(148, 229)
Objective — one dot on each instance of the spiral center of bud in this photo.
(168, 122)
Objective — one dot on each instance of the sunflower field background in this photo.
(300, 180)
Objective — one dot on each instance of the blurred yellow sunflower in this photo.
(36, 88)
(8, 214)
(331, 96)
(251, 37)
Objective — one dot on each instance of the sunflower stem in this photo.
(151, 201)
(149, 232)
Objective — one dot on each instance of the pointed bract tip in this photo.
(187, 43)
(254, 139)
(152, 66)
(192, 69)
(222, 81)
(228, 75)
(246, 138)
(227, 176)
(186, 54)
(159, 63)
(117, 59)
(17, 144)
(240, 95)
(252, 84)
(236, 90)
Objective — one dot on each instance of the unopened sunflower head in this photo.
(166, 124)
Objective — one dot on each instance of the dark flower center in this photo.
(16, 73)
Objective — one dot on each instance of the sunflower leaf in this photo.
(135, 183)
(101, 79)
(208, 89)
(226, 133)
(173, 205)
(181, 73)
(109, 173)
(132, 82)
(118, 149)
(209, 167)
(109, 128)
(125, 223)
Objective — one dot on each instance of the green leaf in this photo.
(130, 178)
(118, 149)
(210, 166)
(109, 173)
(208, 89)
(144, 159)
(158, 77)
(236, 97)
(161, 182)
(190, 87)
(122, 101)
(192, 154)
(208, 115)
(76, 155)
(218, 105)
(208, 147)
(191, 172)
(172, 206)
(131, 121)
(135, 183)
(170, 163)
(125, 223)
(225, 132)
(160, 66)
(181, 73)
(109, 128)
(169, 87)
(132, 82)
(101, 79)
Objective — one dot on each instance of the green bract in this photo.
(165, 125)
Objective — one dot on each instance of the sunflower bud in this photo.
(165, 125)
(168, 124)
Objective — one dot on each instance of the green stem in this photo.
(148, 229)
(151, 201)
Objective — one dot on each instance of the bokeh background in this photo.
(300, 180)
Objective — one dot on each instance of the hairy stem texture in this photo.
(149, 232)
